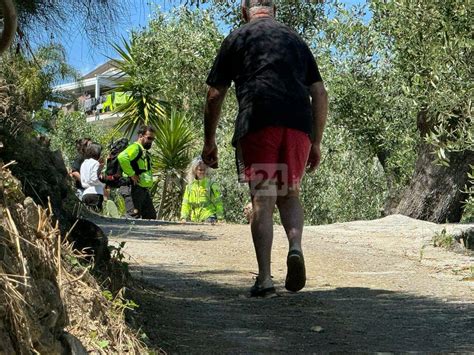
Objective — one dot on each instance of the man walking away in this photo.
(135, 162)
(278, 132)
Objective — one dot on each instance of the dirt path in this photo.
(372, 286)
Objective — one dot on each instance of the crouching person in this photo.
(135, 162)
(202, 199)
(93, 195)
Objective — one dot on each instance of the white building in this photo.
(92, 94)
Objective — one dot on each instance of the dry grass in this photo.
(45, 290)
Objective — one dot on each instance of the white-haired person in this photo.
(202, 200)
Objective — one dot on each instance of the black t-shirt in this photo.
(272, 68)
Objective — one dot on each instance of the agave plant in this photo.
(142, 107)
(172, 153)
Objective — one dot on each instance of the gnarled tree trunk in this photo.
(436, 192)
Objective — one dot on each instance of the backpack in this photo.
(112, 174)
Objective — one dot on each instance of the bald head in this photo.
(257, 8)
(251, 3)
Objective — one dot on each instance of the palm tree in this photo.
(174, 132)
(172, 153)
(142, 106)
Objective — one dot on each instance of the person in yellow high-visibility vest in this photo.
(202, 200)
(135, 162)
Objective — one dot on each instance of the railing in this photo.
(105, 103)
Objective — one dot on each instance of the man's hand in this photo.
(75, 175)
(209, 155)
(212, 110)
(135, 179)
(314, 157)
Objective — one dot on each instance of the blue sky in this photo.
(84, 57)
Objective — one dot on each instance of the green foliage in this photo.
(175, 139)
(443, 239)
(173, 143)
(235, 195)
(44, 117)
(303, 16)
(168, 62)
(348, 185)
(35, 75)
(119, 303)
(100, 343)
(410, 57)
(432, 46)
(110, 209)
(468, 213)
(365, 127)
(174, 55)
(120, 202)
(115, 205)
(430, 43)
(143, 107)
(74, 261)
(358, 177)
(366, 98)
(72, 126)
(116, 253)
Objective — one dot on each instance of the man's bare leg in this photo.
(262, 234)
(291, 213)
(292, 218)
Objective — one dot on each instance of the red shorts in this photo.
(274, 152)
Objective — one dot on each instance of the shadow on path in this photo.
(147, 230)
(184, 314)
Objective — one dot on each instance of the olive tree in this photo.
(174, 54)
(398, 83)
(431, 49)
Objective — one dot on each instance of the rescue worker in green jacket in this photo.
(136, 164)
(202, 199)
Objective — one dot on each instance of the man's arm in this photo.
(76, 175)
(212, 111)
(126, 156)
(319, 105)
